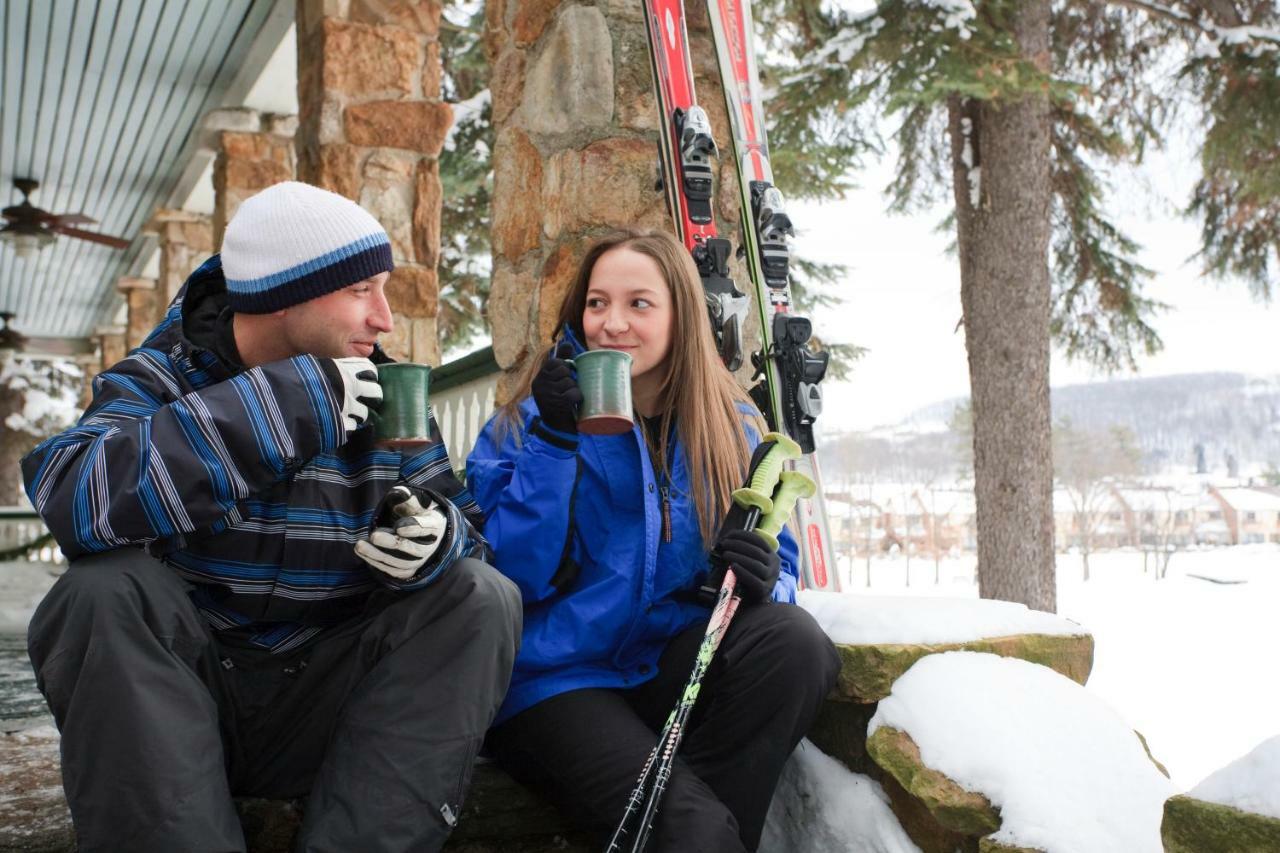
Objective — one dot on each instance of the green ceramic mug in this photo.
(405, 416)
(604, 377)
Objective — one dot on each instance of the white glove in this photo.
(402, 550)
(360, 390)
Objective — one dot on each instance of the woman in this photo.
(608, 539)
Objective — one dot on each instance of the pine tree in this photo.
(466, 176)
(1014, 110)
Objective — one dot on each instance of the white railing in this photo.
(461, 411)
(20, 526)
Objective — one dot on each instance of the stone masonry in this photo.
(575, 153)
(143, 306)
(371, 126)
(111, 347)
(186, 240)
(252, 152)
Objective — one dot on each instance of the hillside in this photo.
(1225, 413)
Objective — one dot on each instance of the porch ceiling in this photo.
(101, 102)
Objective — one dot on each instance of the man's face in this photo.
(344, 323)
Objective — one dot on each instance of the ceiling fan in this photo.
(29, 229)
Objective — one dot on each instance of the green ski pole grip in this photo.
(749, 498)
(765, 476)
(793, 486)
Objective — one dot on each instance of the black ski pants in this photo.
(377, 721)
(584, 749)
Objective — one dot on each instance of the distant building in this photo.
(1250, 515)
(1159, 517)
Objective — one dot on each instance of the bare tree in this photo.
(1088, 463)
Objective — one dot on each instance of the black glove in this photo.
(754, 564)
(556, 392)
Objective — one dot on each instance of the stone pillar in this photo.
(89, 364)
(252, 151)
(575, 154)
(144, 308)
(186, 241)
(371, 127)
(111, 346)
(14, 444)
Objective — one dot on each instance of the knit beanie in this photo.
(293, 242)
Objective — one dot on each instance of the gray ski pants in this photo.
(377, 722)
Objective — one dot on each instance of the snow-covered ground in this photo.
(1188, 662)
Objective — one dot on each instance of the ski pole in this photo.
(793, 486)
(754, 499)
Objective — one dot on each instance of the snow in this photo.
(862, 619)
(1251, 783)
(1066, 772)
(1181, 659)
(467, 111)
(820, 806)
(43, 412)
(957, 14)
(1250, 499)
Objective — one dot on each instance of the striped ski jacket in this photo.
(237, 478)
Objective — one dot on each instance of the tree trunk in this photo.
(1000, 161)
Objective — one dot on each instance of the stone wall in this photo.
(186, 241)
(111, 347)
(371, 127)
(575, 153)
(252, 151)
(144, 308)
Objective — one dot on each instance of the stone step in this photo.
(501, 816)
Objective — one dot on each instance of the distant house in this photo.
(1250, 515)
(1109, 516)
(858, 525)
(1159, 517)
(950, 519)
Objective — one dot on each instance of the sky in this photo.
(902, 297)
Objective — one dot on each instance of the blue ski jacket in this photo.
(576, 523)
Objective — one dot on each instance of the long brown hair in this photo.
(696, 388)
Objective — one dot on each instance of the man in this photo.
(228, 624)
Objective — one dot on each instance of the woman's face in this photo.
(629, 309)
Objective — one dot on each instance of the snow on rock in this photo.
(865, 620)
(1251, 783)
(1067, 773)
(820, 806)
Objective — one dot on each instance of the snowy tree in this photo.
(1006, 113)
(37, 399)
(466, 176)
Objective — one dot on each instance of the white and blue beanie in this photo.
(293, 242)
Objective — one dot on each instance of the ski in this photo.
(789, 392)
(686, 151)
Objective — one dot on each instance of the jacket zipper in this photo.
(666, 513)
